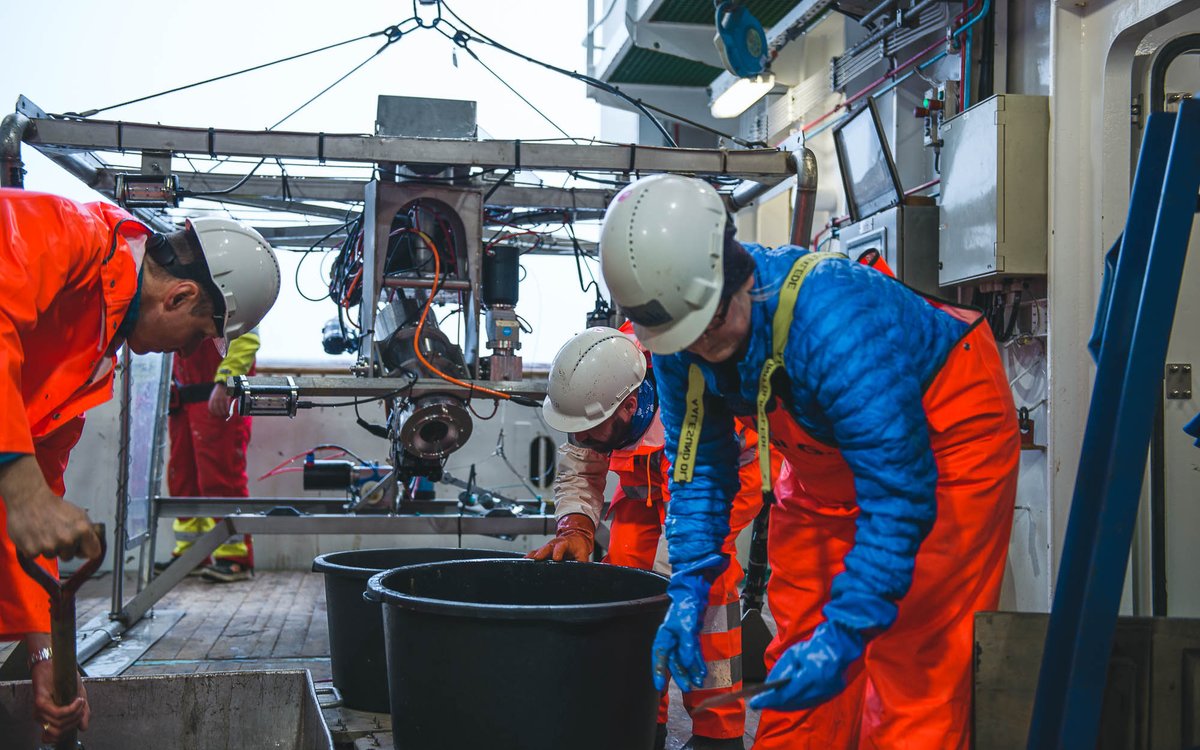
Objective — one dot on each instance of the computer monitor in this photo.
(868, 172)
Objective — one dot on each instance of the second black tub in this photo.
(356, 627)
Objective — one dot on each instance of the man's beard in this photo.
(619, 438)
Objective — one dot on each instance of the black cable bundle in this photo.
(346, 269)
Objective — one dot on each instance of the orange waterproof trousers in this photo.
(912, 688)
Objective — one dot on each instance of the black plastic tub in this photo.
(356, 652)
(521, 655)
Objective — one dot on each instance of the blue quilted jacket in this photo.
(861, 351)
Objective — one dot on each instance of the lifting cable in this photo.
(392, 38)
(462, 39)
(92, 112)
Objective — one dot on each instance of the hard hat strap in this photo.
(181, 255)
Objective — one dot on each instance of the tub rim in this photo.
(377, 592)
(325, 564)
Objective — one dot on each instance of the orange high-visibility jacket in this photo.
(67, 278)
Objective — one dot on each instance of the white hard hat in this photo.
(244, 269)
(660, 253)
(591, 375)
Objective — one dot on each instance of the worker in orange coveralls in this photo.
(76, 282)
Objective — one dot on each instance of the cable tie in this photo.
(212, 137)
(321, 148)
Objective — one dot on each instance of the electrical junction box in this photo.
(937, 106)
(993, 213)
(906, 238)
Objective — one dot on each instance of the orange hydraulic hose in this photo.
(437, 275)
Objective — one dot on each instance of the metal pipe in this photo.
(12, 132)
(913, 12)
(921, 187)
(805, 164)
(965, 71)
(873, 13)
(447, 285)
(462, 524)
(187, 507)
(806, 195)
(121, 532)
(746, 193)
(158, 442)
(810, 128)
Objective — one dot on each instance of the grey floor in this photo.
(276, 620)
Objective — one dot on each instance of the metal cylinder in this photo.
(328, 475)
(806, 196)
(435, 426)
(746, 193)
(501, 276)
(12, 169)
(404, 282)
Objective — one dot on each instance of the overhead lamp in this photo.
(738, 97)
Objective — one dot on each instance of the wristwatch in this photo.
(39, 656)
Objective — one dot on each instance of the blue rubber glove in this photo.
(815, 669)
(677, 644)
(1192, 428)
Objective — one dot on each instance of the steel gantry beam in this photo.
(760, 165)
(350, 190)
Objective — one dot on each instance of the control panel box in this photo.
(993, 213)
(906, 238)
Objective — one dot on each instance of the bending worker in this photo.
(76, 282)
(208, 448)
(602, 394)
(892, 520)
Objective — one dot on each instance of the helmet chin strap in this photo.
(180, 254)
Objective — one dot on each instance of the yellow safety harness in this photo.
(685, 459)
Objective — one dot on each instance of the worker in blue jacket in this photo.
(893, 410)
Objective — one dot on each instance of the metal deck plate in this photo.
(134, 642)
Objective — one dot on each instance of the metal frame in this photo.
(1136, 326)
(121, 541)
(433, 517)
(759, 165)
(386, 199)
(1156, 102)
(70, 143)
